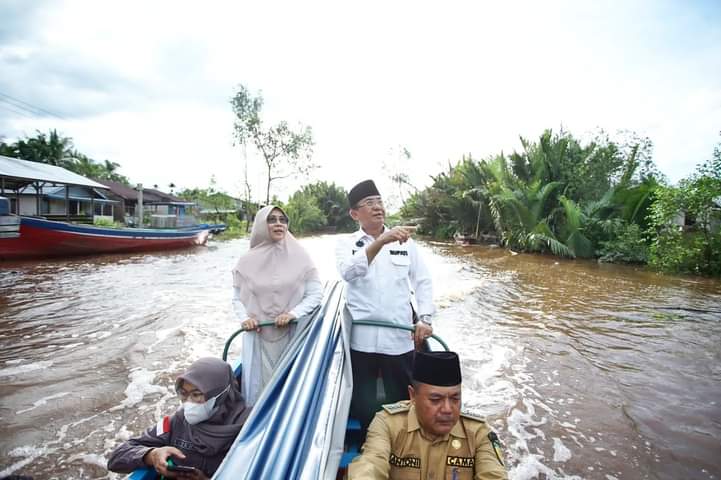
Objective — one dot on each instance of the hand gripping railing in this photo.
(371, 323)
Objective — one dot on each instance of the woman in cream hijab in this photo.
(274, 281)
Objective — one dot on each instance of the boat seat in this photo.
(352, 442)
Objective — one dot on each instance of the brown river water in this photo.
(587, 371)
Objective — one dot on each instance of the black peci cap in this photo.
(366, 188)
(442, 369)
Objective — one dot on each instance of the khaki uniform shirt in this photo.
(396, 448)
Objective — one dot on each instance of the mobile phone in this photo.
(180, 468)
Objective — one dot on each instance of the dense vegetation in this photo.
(601, 199)
(319, 206)
(604, 199)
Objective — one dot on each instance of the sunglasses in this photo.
(277, 219)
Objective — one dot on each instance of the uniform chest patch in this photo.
(404, 462)
(394, 408)
(399, 252)
(180, 443)
(465, 462)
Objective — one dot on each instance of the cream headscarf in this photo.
(271, 276)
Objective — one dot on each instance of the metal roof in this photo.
(76, 193)
(17, 173)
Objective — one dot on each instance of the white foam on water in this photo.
(43, 401)
(123, 434)
(30, 367)
(162, 335)
(560, 452)
(530, 467)
(141, 384)
(29, 452)
(90, 458)
(498, 361)
(165, 333)
(99, 335)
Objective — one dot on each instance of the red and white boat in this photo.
(29, 237)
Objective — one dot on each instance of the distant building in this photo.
(165, 210)
(39, 189)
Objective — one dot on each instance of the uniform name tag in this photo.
(182, 444)
(467, 462)
(405, 462)
(399, 252)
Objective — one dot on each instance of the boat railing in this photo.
(372, 323)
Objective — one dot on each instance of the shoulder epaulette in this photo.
(398, 407)
(496, 443)
(472, 416)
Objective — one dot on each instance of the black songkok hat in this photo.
(442, 369)
(364, 189)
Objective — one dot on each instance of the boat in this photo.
(314, 438)
(24, 237)
(464, 239)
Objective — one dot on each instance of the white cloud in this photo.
(151, 81)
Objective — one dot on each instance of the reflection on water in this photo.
(586, 370)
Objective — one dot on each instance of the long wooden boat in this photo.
(299, 427)
(31, 237)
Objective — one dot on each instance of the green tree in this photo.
(51, 149)
(56, 150)
(304, 214)
(556, 194)
(333, 202)
(284, 151)
(209, 198)
(696, 249)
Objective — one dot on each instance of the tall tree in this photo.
(284, 151)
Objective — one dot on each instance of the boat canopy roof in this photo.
(16, 173)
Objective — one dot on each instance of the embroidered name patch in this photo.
(399, 252)
(405, 462)
(182, 444)
(467, 462)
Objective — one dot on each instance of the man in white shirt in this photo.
(381, 267)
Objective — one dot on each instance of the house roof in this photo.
(16, 173)
(76, 192)
(150, 195)
(122, 191)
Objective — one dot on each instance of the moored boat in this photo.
(31, 237)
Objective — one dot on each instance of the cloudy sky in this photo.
(148, 84)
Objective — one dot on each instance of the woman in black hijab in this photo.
(197, 435)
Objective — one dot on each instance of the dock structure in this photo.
(39, 189)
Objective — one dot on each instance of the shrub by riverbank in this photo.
(603, 199)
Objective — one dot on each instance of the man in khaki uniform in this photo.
(427, 437)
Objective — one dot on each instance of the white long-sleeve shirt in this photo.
(382, 291)
(312, 297)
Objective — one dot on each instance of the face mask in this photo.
(200, 412)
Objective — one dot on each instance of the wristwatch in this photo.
(426, 319)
